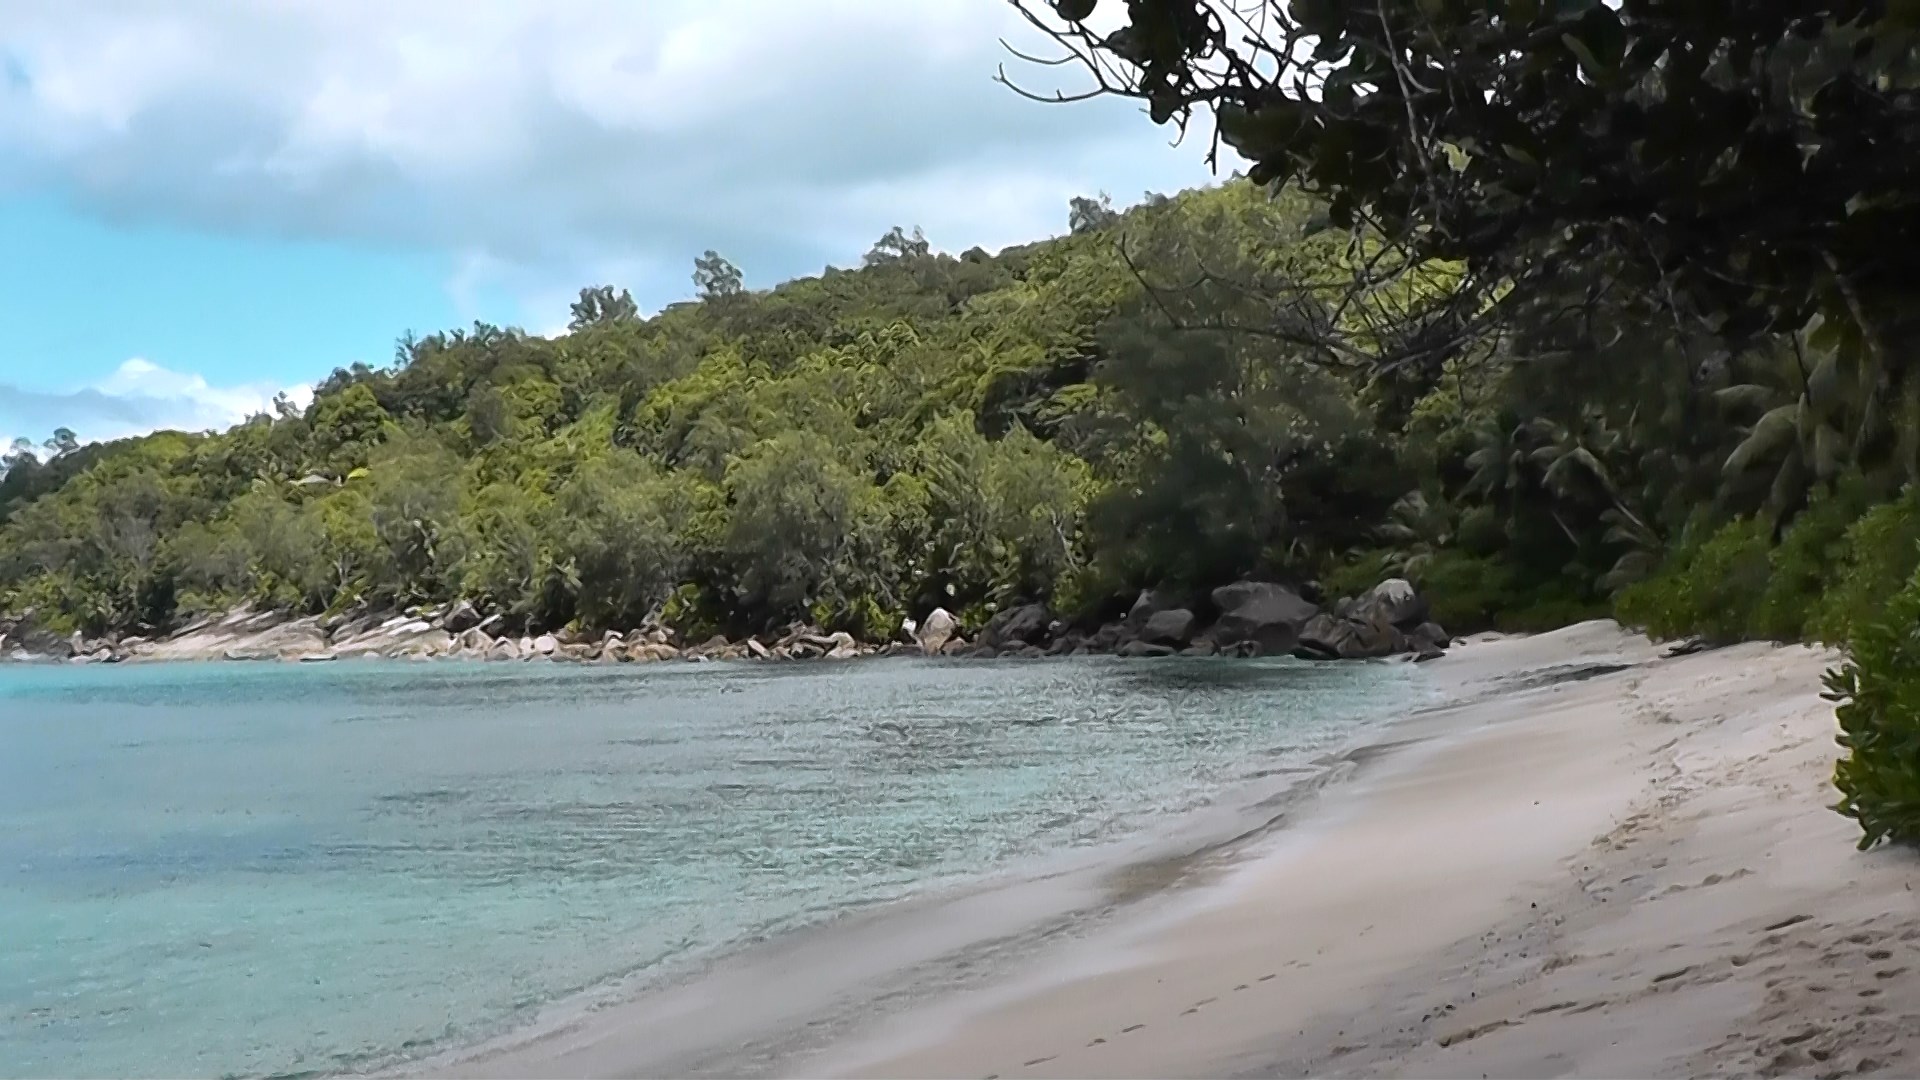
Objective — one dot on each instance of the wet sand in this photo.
(1596, 861)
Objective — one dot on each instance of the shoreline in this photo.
(752, 1005)
(1585, 841)
(1244, 619)
(1628, 874)
(725, 1021)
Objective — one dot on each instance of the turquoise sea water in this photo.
(227, 869)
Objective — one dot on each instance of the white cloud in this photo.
(538, 143)
(138, 397)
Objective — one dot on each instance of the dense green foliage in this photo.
(851, 449)
(1878, 691)
(1069, 421)
(1750, 159)
(1711, 588)
(1735, 170)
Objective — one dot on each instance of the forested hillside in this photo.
(1067, 422)
(1176, 397)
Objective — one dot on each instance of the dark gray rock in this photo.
(1198, 648)
(1023, 625)
(1149, 603)
(1173, 626)
(37, 641)
(1070, 642)
(1429, 633)
(460, 617)
(1332, 637)
(1269, 616)
(1322, 638)
(1137, 649)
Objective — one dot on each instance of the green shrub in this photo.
(1806, 563)
(1710, 589)
(1878, 693)
(1470, 593)
(863, 616)
(1882, 550)
(1355, 576)
(1549, 607)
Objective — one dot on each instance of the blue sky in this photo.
(207, 203)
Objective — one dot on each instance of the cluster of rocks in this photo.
(458, 631)
(25, 639)
(1247, 618)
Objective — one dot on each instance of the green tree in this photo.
(601, 305)
(717, 280)
(625, 535)
(1749, 157)
(796, 528)
(346, 428)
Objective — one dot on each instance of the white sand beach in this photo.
(1598, 861)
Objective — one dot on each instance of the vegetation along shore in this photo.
(1630, 336)
(1246, 618)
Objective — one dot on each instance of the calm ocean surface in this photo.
(234, 869)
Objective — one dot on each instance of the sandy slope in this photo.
(1630, 874)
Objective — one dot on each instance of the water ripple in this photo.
(284, 870)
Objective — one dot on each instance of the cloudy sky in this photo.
(206, 202)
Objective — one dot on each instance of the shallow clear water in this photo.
(228, 869)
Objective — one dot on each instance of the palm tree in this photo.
(1812, 418)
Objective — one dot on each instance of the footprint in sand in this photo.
(1096, 1042)
(1264, 978)
(1039, 1061)
(1127, 1030)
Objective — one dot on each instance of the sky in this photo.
(208, 202)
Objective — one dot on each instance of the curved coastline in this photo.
(758, 1009)
(1596, 836)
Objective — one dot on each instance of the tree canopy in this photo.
(1746, 161)
(1733, 175)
